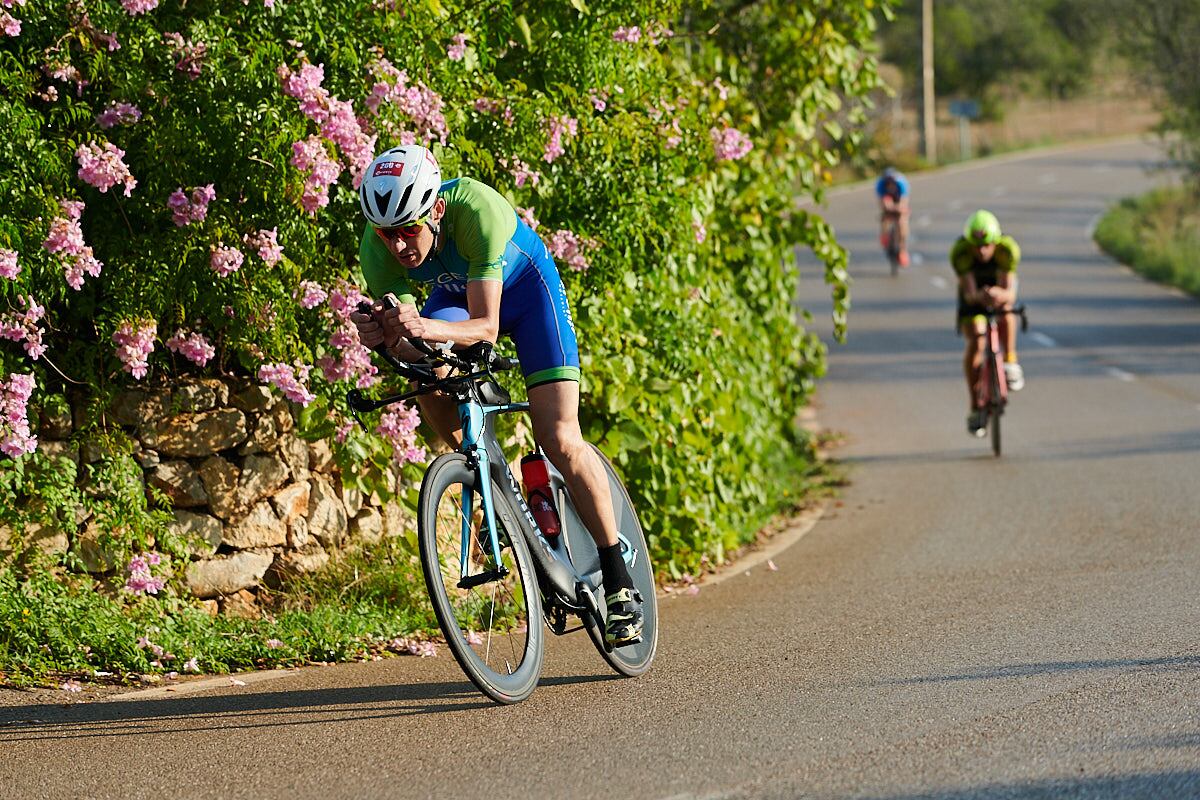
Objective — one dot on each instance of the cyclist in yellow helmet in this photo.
(985, 261)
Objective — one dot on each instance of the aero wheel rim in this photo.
(492, 618)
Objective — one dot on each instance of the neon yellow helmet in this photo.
(982, 228)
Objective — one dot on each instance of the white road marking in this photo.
(939, 282)
(999, 191)
(917, 259)
(1043, 339)
(924, 221)
(1047, 178)
(1121, 374)
(955, 205)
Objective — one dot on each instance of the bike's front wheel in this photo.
(492, 617)
(632, 659)
(996, 409)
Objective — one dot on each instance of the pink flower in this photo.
(342, 432)
(526, 214)
(730, 144)
(71, 685)
(599, 100)
(631, 34)
(310, 156)
(135, 7)
(9, 24)
(191, 666)
(352, 360)
(192, 346)
(273, 644)
(66, 237)
(265, 244)
(140, 581)
(458, 47)
(285, 379)
(555, 128)
(344, 298)
(186, 209)
(189, 57)
(569, 248)
(398, 425)
(521, 172)
(225, 260)
(311, 294)
(418, 102)
(24, 327)
(16, 438)
(698, 229)
(103, 168)
(134, 345)
(9, 268)
(118, 114)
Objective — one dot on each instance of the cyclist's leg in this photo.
(1007, 324)
(439, 410)
(974, 331)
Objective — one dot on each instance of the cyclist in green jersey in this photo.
(985, 261)
(488, 273)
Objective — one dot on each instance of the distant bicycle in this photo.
(991, 386)
(890, 240)
(492, 573)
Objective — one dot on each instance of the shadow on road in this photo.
(244, 710)
(1173, 783)
(1164, 664)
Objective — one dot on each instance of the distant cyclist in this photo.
(487, 273)
(892, 191)
(985, 261)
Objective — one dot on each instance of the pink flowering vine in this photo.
(66, 239)
(351, 360)
(191, 345)
(189, 56)
(398, 425)
(187, 208)
(266, 245)
(311, 294)
(457, 48)
(135, 342)
(16, 438)
(118, 114)
(416, 101)
(9, 268)
(555, 127)
(289, 380)
(730, 144)
(310, 156)
(23, 327)
(526, 215)
(103, 167)
(570, 249)
(631, 34)
(225, 260)
(140, 580)
(344, 298)
(335, 118)
(135, 7)
(10, 25)
(522, 173)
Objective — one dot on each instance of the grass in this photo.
(1158, 235)
(55, 626)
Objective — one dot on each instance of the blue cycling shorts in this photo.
(533, 312)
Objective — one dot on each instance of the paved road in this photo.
(909, 646)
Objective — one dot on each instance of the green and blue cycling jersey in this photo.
(483, 239)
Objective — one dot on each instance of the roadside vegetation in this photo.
(1158, 235)
(177, 199)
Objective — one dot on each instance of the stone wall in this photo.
(259, 503)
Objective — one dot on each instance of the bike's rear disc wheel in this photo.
(631, 660)
(494, 629)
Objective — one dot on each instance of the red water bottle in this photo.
(539, 494)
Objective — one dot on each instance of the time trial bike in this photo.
(991, 386)
(492, 573)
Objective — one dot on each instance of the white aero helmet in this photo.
(400, 186)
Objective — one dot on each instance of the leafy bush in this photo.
(1158, 234)
(177, 186)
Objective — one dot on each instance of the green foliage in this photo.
(1158, 234)
(982, 46)
(693, 364)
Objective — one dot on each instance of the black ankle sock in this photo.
(616, 576)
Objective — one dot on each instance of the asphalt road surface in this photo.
(959, 626)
